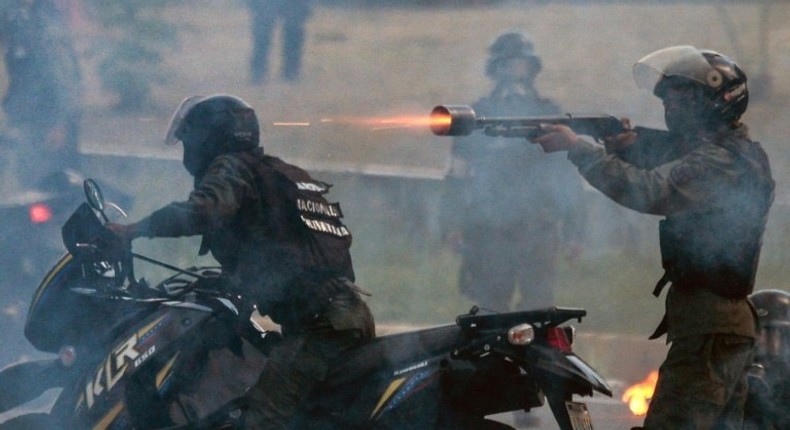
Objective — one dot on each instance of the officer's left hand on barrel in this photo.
(556, 137)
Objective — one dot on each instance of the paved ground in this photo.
(607, 414)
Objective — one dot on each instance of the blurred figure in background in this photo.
(509, 209)
(265, 13)
(768, 404)
(43, 101)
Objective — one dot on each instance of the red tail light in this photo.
(560, 338)
(39, 213)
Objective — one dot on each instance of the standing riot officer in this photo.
(265, 14)
(43, 99)
(769, 377)
(509, 208)
(279, 242)
(714, 187)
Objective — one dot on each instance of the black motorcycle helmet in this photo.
(511, 45)
(717, 85)
(773, 313)
(210, 126)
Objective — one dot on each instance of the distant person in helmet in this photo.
(768, 405)
(509, 209)
(713, 186)
(280, 244)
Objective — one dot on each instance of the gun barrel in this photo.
(453, 120)
(461, 120)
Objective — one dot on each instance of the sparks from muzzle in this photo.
(377, 123)
(291, 124)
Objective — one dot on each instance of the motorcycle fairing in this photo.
(52, 280)
(218, 386)
(402, 389)
(156, 339)
(62, 312)
(388, 381)
(48, 320)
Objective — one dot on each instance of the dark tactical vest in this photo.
(296, 244)
(720, 249)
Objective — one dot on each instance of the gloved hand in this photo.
(123, 236)
(126, 232)
(622, 140)
(556, 137)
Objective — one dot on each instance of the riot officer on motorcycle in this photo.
(769, 375)
(281, 245)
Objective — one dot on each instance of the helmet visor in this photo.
(677, 61)
(177, 120)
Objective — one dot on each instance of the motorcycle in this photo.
(172, 356)
(32, 218)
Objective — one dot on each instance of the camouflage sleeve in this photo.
(696, 180)
(651, 149)
(214, 201)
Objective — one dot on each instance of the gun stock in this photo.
(461, 120)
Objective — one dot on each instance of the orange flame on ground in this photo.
(638, 395)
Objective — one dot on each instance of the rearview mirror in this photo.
(94, 195)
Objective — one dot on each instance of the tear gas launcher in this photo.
(461, 120)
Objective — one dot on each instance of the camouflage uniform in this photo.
(258, 217)
(514, 206)
(769, 376)
(715, 194)
(769, 396)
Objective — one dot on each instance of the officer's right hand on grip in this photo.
(622, 140)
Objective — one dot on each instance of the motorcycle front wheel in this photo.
(33, 421)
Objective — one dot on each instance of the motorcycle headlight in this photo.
(520, 335)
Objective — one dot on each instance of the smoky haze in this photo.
(387, 62)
